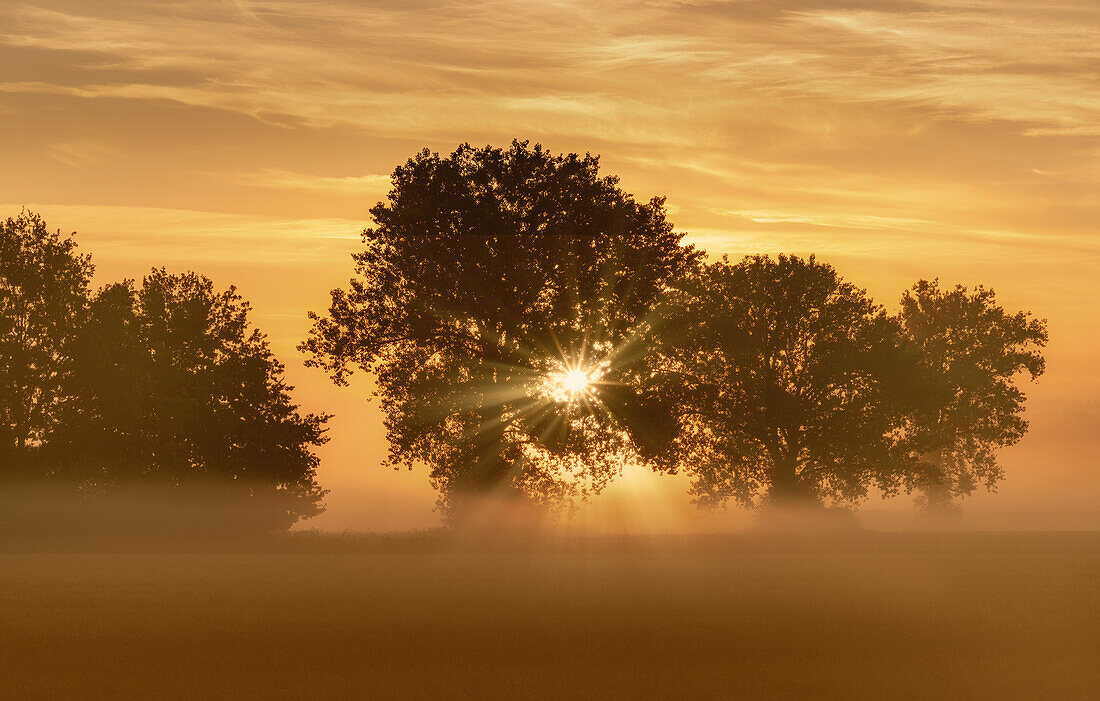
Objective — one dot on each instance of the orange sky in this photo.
(896, 139)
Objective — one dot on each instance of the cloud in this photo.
(617, 71)
(882, 117)
(79, 152)
(135, 238)
(286, 180)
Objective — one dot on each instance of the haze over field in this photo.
(978, 616)
(896, 140)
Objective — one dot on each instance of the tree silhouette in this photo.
(488, 271)
(971, 352)
(171, 388)
(43, 294)
(772, 378)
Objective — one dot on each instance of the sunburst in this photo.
(569, 383)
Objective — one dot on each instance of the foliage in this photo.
(486, 271)
(773, 377)
(159, 389)
(43, 295)
(531, 328)
(171, 388)
(971, 353)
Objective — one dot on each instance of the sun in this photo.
(573, 381)
(570, 384)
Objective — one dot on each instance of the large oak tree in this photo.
(488, 272)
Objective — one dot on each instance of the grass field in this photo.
(993, 615)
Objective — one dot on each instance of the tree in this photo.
(488, 273)
(971, 353)
(43, 295)
(172, 390)
(770, 379)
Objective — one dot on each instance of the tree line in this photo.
(490, 272)
(530, 329)
(160, 385)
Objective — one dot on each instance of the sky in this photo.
(895, 139)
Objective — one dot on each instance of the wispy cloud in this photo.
(384, 66)
(135, 238)
(763, 107)
(286, 180)
(79, 152)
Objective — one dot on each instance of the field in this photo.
(994, 615)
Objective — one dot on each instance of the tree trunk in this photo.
(786, 488)
(483, 495)
(938, 497)
(489, 470)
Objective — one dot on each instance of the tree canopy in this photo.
(771, 378)
(153, 389)
(530, 328)
(170, 386)
(971, 354)
(488, 273)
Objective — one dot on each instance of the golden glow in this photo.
(570, 384)
(896, 140)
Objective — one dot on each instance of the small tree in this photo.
(771, 378)
(971, 354)
(43, 295)
(172, 389)
(490, 273)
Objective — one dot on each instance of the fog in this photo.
(641, 505)
(437, 615)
